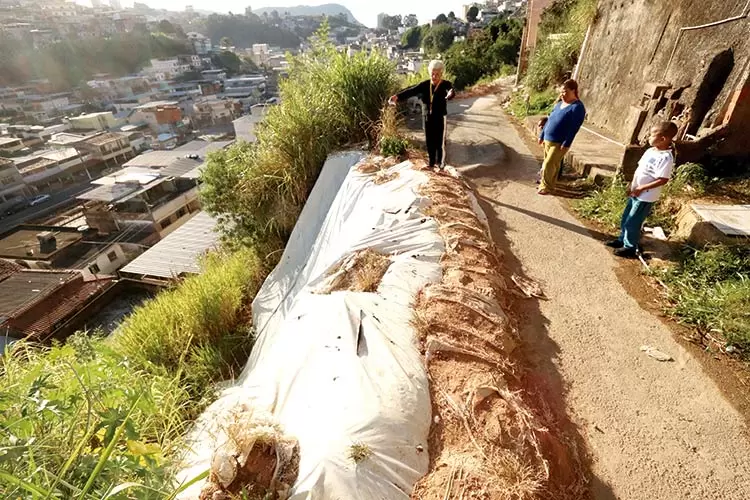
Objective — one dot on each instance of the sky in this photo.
(366, 11)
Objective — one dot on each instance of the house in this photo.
(155, 193)
(161, 116)
(192, 61)
(12, 187)
(39, 305)
(214, 74)
(244, 126)
(43, 169)
(11, 144)
(201, 44)
(107, 146)
(211, 110)
(94, 121)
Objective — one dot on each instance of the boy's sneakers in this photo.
(626, 253)
(614, 244)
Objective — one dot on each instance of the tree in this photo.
(472, 13)
(392, 22)
(275, 15)
(248, 11)
(451, 15)
(412, 38)
(225, 42)
(167, 27)
(410, 21)
(441, 19)
(228, 61)
(438, 39)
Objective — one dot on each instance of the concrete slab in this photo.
(592, 154)
(731, 220)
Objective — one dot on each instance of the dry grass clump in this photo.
(382, 177)
(490, 439)
(373, 164)
(359, 272)
(256, 461)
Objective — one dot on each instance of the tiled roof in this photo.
(59, 307)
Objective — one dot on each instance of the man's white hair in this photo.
(435, 64)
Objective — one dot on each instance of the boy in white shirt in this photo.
(654, 169)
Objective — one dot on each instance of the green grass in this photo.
(710, 290)
(539, 103)
(553, 59)
(605, 205)
(80, 419)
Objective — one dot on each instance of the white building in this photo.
(201, 44)
(165, 68)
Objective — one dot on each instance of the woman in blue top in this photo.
(558, 132)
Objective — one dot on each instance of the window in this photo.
(180, 212)
(94, 268)
(165, 223)
(112, 256)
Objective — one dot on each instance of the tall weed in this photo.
(329, 100)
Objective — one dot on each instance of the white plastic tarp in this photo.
(343, 368)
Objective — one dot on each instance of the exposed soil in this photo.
(653, 430)
(491, 437)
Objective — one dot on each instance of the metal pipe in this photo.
(580, 55)
(603, 137)
(744, 15)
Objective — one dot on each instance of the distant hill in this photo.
(329, 9)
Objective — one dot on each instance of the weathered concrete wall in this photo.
(630, 45)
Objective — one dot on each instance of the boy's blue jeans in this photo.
(632, 221)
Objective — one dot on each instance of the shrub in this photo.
(393, 146)
(689, 179)
(539, 103)
(329, 100)
(554, 58)
(710, 289)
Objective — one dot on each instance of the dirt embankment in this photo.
(493, 436)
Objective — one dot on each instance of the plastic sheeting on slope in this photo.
(342, 368)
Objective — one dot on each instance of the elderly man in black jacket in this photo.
(434, 94)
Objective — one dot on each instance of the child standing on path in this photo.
(654, 169)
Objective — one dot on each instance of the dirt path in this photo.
(653, 430)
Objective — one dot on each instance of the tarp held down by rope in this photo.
(341, 369)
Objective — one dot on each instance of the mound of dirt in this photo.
(257, 461)
(489, 439)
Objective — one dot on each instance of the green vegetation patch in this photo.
(104, 418)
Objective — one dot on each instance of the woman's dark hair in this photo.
(571, 84)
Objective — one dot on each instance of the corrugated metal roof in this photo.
(202, 148)
(179, 252)
(155, 159)
(180, 167)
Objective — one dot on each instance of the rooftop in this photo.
(179, 253)
(24, 288)
(22, 242)
(157, 104)
(8, 140)
(109, 192)
(104, 138)
(66, 138)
